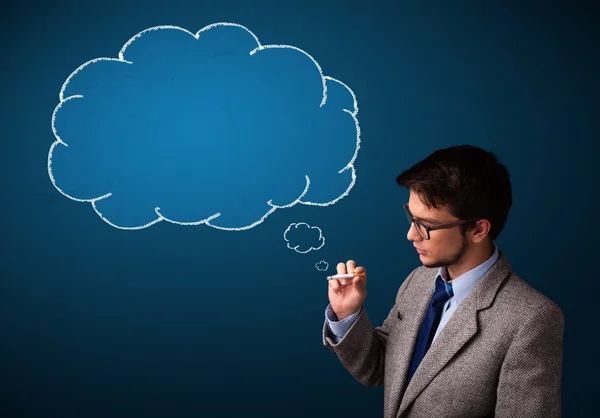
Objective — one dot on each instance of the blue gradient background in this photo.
(174, 321)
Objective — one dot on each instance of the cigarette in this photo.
(344, 276)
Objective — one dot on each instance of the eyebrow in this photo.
(428, 220)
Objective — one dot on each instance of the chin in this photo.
(424, 259)
(430, 263)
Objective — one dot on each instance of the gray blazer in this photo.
(500, 354)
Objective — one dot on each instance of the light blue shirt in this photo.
(461, 287)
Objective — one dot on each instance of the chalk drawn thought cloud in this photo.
(208, 128)
(303, 238)
(322, 265)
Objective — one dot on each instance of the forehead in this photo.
(420, 210)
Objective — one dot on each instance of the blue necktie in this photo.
(441, 294)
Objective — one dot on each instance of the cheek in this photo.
(439, 243)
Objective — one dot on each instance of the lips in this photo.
(420, 251)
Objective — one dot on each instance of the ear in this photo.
(480, 230)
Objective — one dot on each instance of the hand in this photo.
(347, 295)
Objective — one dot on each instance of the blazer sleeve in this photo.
(530, 377)
(362, 349)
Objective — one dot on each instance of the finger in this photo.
(359, 286)
(359, 270)
(335, 285)
(341, 268)
(350, 265)
(358, 282)
(363, 275)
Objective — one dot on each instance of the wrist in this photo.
(343, 315)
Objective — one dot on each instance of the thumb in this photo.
(359, 287)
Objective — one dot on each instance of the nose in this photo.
(413, 234)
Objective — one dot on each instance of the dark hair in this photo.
(469, 180)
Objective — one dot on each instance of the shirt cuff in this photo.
(339, 328)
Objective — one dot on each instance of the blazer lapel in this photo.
(461, 327)
(414, 312)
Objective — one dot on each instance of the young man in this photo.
(466, 336)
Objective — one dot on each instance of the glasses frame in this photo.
(412, 220)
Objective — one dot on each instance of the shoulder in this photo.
(524, 299)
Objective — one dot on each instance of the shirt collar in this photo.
(462, 285)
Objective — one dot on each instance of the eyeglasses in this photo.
(425, 230)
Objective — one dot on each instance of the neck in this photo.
(474, 256)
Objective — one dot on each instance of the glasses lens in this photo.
(408, 215)
(421, 230)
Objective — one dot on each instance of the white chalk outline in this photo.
(322, 261)
(296, 226)
(206, 221)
